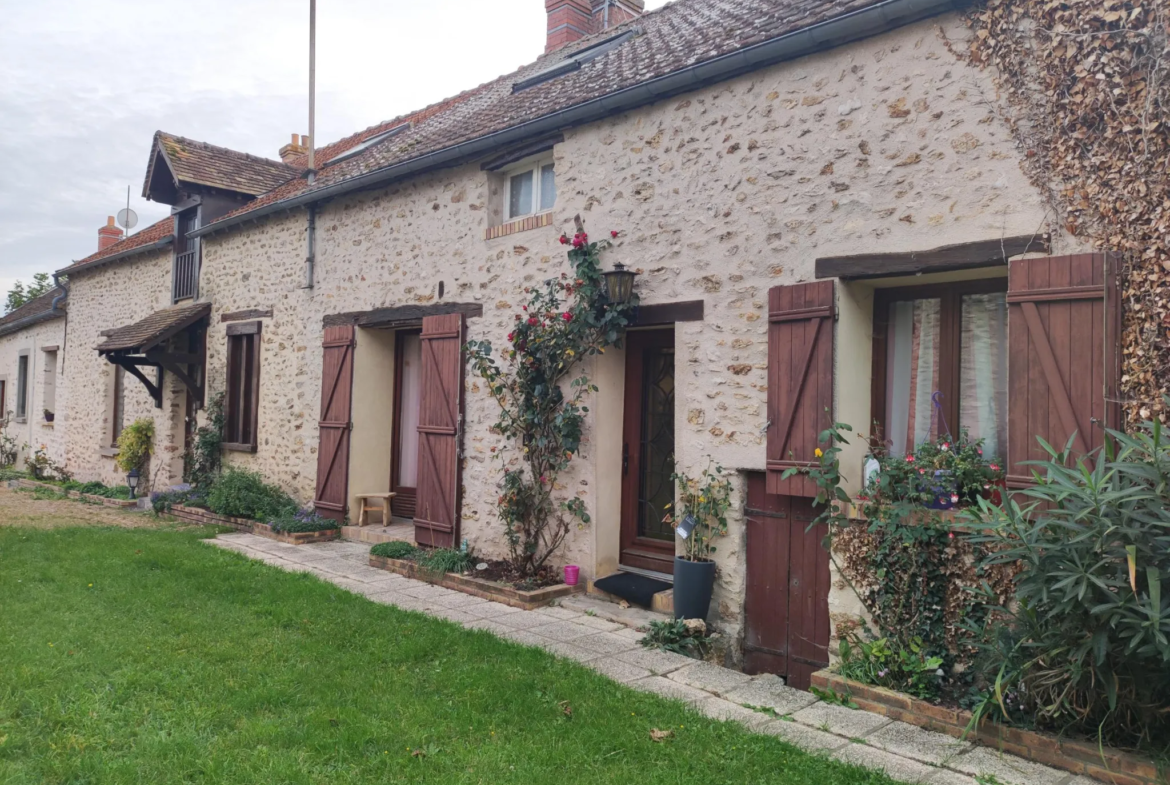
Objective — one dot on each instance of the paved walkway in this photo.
(905, 752)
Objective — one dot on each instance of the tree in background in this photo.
(18, 295)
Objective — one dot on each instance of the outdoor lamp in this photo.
(619, 284)
(132, 482)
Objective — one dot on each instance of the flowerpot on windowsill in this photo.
(694, 582)
(49, 416)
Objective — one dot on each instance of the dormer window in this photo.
(532, 188)
(185, 269)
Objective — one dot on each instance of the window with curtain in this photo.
(941, 362)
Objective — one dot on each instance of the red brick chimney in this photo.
(294, 149)
(572, 20)
(108, 234)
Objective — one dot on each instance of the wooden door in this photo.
(332, 498)
(800, 380)
(648, 451)
(787, 603)
(1063, 356)
(440, 430)
(407, 397)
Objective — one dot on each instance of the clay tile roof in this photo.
(151, 235)
(154, 329)
(219, 167)
(38, 306)
(672, 38)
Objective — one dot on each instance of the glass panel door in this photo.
(407, 395)
(656, 490)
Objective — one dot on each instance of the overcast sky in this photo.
(84, 84)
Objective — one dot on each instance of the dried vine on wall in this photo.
(1087, 83)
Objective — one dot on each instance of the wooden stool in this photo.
(366, 507)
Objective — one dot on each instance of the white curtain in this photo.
(911, 374)
(983, 371)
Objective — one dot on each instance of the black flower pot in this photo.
(694, 581)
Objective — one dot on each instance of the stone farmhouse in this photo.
(31, 339)
(828, 218)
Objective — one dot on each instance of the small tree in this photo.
(18, 295)
(566, 319)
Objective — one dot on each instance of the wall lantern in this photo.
(619, 284)
(132, 482)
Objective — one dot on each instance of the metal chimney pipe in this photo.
(312, 87)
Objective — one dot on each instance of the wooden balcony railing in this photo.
(185, 278)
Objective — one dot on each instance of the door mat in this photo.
(636, 589)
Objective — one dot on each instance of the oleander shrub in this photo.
(238, 493)
(1087, 646)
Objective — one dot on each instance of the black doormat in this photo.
(637, 589)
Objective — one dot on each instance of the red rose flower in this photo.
(568, 317)
(564, 240)
(613, 233)
(533, 321)
(909, 459)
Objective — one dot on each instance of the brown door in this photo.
(787, 604)
(334, 426)
(648, 451)
(440, 428)
(407, 392)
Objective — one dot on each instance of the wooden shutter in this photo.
(440, 424)
(1063, 356)
(800, 380)
(334, 425)
(242, 401)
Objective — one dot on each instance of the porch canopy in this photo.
(168, 340)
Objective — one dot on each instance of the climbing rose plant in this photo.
(540, 392)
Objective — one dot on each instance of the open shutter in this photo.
(334, 425)
(800, 380)
(1063, 356)
(440, 425)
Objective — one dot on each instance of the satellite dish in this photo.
(127, 219)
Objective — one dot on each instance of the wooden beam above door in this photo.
(963, 256)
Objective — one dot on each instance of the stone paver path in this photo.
(761, 703)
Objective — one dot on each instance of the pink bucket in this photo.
(572, 573)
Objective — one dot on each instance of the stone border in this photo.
(123, 504)
(477, 587)
(295, 538)
(1079, 757)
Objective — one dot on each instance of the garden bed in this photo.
(202, 516)
(1078, 757)
(89, 497)
(478, 587)
(295, 538)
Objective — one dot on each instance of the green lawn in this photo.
(145, 656)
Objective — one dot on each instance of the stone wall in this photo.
(104, 299)
(34, 432)
(888, 144)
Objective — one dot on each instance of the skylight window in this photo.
(574, 61)
(373, 140)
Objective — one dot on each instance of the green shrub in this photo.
(238, 493)
(395, 549)
(299, 521)
(885, 662)
(1088, 646)
(135, 444)
(94, 488)
(677, 636)
(444, 560)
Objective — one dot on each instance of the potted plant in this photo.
(699, 517)
(135, 444)
(49, 416)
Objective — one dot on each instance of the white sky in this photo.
(84, 85)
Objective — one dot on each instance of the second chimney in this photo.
(572, 20)
(294, 149)
(108, 234)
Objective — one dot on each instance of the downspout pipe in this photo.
(58, 301)
(863, 23)
(311, 249)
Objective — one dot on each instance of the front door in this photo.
(648, 451)
(787, 604)
(407, 392)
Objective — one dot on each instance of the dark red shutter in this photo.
(440, 425)
(1063, 356)
(800, 380)
(334, 425)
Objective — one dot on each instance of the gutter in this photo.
(864, 23)
(29, 321)
(76, 268)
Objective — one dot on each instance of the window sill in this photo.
(46, 424)
(518, 225)
(234, 447)
(20, 420)
(108, 452)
